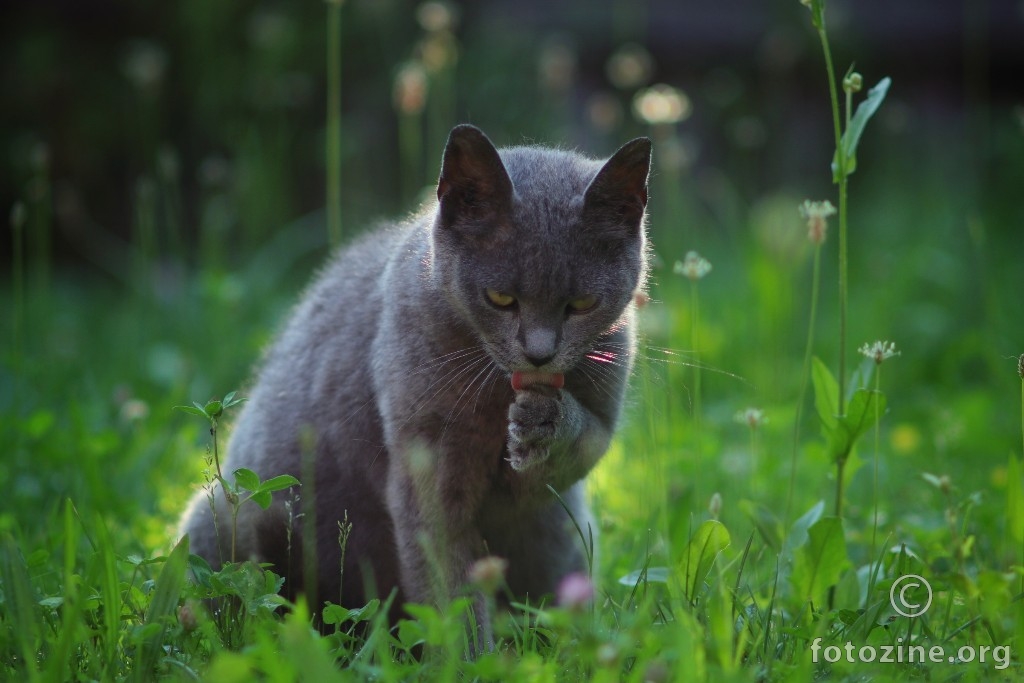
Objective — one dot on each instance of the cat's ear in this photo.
(474, 184)
(617, 196)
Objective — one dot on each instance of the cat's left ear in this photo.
(474, 185)
(619, 190)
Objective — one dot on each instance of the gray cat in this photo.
(439, 374)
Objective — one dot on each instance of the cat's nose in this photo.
(538, 361)
(540, 345)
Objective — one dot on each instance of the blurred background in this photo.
(167, 162)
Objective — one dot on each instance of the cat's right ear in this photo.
(617, 196)
(474, 185)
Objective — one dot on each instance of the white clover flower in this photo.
(694, 266)
(752, 417)
(879, 351)
(488, 573)
(661, 104)
(715, 505)
(630, 66)
(410, 91)
(435, 17)
(816, 214)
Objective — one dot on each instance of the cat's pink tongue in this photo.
(524, 380)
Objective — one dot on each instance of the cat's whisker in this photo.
(454, 413)
(445, 380)
(674, 358)
(444, 358)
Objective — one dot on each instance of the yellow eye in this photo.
(583, 303)
(500, 300)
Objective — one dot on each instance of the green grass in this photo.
(724, 551)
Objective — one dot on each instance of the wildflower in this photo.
(879, 351)
(488, 573)
(816, 214)
(435, 17)
(694, 266)
(853, 83)
(630, 66)
(715, 505)
(556, 65)
(188, 616)
(607, 654)
(656, 672)
(604, 111)
(661, 104)
(438, 52)
(134, 410)
(410, 91)
(19, 215)
(752, 417)
(942, 483)
(1020, 366)
(575, 591)
(144, 64)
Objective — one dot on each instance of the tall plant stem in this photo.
(840, 177)
(874, 485)
(841, 180)
(804, 377)
(695, 338)
(334, 122)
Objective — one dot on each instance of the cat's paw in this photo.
(533, 421)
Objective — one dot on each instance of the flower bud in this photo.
(853, 83)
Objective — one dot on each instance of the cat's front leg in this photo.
(431, 510)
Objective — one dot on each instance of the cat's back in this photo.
(317, 372)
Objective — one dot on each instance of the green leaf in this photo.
(166, 593)
(851, 137)
(262, 498)
(279, 483)
(767, 524)
(247, 480)
(861, 377)
(198, 412)
(650, 575)
(214, 409)
(826, 392)
(822, 561)
(798, 532)
(865, 408)
(200, 569)
(336, 614)
(710, 539)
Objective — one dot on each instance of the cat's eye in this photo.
(582, 304)
(500, 299)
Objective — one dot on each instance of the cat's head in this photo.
(539, 250)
